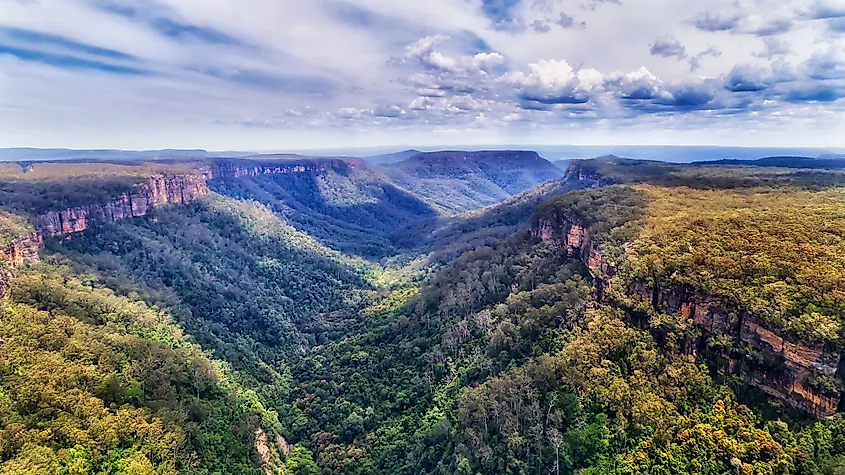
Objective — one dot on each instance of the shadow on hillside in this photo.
(351, 215)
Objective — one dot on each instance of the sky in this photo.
(286, 74)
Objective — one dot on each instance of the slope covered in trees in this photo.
(457, 181)
(335, 310)
(93, 382)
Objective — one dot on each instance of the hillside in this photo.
(301, 316)
(833, 162)
(456, 181)
(389, 158)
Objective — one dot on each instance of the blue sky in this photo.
(275, 74)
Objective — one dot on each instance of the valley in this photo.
(434, 312)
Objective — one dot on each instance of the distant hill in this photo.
(458, 181)
(38, 154)
(344, 203)
(562, 164)
(829, 162)
(388, 158)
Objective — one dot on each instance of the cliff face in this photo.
(23, 249)
(239, 169)
(762, 356)
(157, 190)
(589, 178)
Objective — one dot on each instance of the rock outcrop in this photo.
(578, 172)
(764, 357)
(23, 249)
(157, 190)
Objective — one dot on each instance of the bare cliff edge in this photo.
(762, 356)
(157, 190)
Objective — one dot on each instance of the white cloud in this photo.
(313, 71)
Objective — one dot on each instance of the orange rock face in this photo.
(157, 190)
(796, 361)
(23, 249)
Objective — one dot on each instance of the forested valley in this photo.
(629, 317)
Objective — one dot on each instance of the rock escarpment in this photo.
(157, 190)
(804, 374)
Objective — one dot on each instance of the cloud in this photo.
(384, 70)
(746, 79)
(35, 39)
(825, 9)
(825, 65)
(555, 82)
(667, 47)
(773, 47)
(168, 26)
(69, 62)
(593, 4)
(716, 21)
(390, 111)
(289, 83)
(710, 52)
(815, 93)
(694, 95)
(770, 20)
(640, 85)
(836, 25)
(771, 27)
(566, 21)
(425, 53)
(540, 27)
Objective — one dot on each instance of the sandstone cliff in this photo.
(764, 357)
(157, 190)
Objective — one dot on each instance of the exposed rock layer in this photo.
(764, 357)
(157, 190)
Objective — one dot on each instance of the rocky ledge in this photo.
(764, 357)
(157, 190)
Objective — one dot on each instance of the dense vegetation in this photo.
(335, 310)
(30, 190)
(92, 382)
(779, 253)
(347, 209)
(455, 181)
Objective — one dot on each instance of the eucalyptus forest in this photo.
(491, 314)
